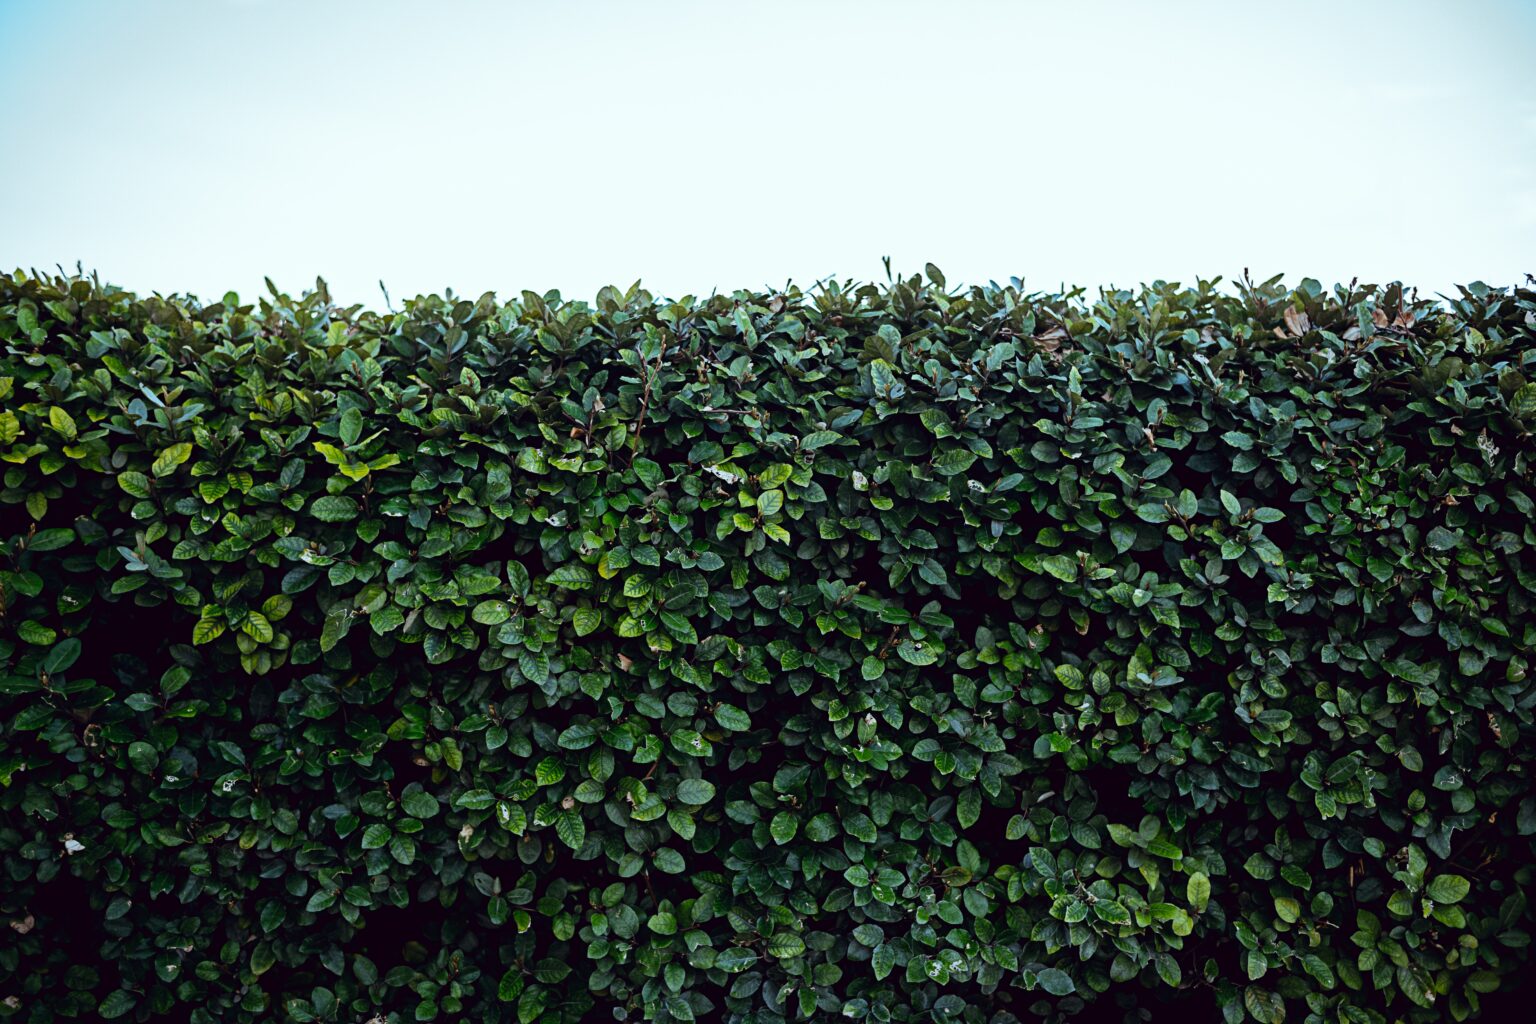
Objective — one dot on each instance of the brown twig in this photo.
(645, 396)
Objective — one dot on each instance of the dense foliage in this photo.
(900, 653)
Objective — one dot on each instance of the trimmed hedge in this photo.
(901, 653)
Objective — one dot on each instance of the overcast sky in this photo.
(198, 146)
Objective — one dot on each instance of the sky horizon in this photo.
(200, 148)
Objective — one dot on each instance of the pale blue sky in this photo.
(180, 146)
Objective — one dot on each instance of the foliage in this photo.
(901, 653)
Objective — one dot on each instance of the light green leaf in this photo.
(572, 577)
(1060, 566)
(166, 462)
(135, 484)
(1198, 890)
(62, 422)
(586, 621)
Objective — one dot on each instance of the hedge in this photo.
(905, 653)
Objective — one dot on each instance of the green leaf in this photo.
(511, 817)
(34, 632)
(1523, 402)
(734, 960)
(571, 829)
(1265, 1006)
(321, 899)
(548, 772)
(1442, 539)
(883, 960)
(135, 484)
(914, 653)
(492, 612)
(143, 756)
(532, 460)
(689, 742)
(419, 804)
(819, 439)
(695, 791)
(510, 984)
(474, 800)
(1448, 888)
(334, 508)
(61, 421)
(1060, 566)
(258, 628)
(166, 462)
(337, 623)
(783, 827)
(63, 654)
(647, 472)
(1056, 981)
(1198, 890)
(732, 718)
(1111, 912)
(968, 807)
(953, 462)
(785, 945)
(1415, 984)
(571, 577)
(1168, 970)
(351, 427)
(118, 1003)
